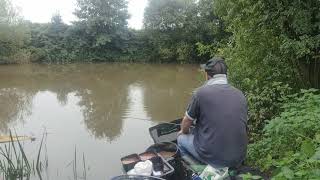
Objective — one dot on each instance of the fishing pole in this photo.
(163, 122)
(150, 120)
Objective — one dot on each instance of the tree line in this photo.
(172, 29)
(272, 48)
(280, 39)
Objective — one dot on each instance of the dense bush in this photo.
(264, 103)
(278, 40)
(290, 147)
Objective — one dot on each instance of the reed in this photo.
(84, 167)
(14, 164)
(75, 168)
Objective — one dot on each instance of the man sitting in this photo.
(219, 112)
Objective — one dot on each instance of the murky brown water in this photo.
(91, 108)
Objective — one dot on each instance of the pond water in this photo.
(91, 109)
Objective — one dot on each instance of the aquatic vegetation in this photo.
(14, 163)
(74, 164)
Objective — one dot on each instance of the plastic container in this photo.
(158, 165)
(170, 152)
(129, 161)
(168, 170)
(167, 150)
(147, 155)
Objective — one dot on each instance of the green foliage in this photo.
(14, 35)
(15, 164)
(264, 103)
(166, 23)
(212, 30)
(8, 14)
(101, 29)
(250, 177)
(49, 41)
(250, 45)
(100, 34)
(290, 146)
(273, 51)
(174, 28)
(278, 40)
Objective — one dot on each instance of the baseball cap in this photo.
(215, 65)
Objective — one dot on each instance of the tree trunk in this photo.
(311, 72)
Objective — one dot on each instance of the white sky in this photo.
(42, 10)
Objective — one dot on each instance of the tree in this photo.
(278, 39)
(8, 13)
(49, 43)
(211, 29)
(183, 30)
(14, 35)
(273, 51)
(102, 26)
(170, 26)
(167, 15)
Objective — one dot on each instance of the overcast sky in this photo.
(42, 10)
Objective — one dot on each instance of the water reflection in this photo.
(136, 107)
(102, 109)
(167, 93)
(102, 90)
(15, 106)
(92, 106)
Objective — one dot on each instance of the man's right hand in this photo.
(180, 133)
(185, 125)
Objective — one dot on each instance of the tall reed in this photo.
(14, 164)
